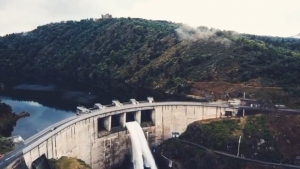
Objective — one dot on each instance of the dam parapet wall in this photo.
(98, 136)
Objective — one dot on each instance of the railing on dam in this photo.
(40, 137)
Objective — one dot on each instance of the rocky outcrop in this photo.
(62, 163)
(68, 163)
(21, 115)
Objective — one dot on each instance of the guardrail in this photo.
(109, 105)
(112, 110)
(237, 157)
(125, 103)
(48, 129)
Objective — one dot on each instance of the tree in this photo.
(1, 88)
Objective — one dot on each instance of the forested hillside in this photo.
(162, 55)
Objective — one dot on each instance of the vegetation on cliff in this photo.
(113, 53)
(6, 145)
(68, 163)
(8, 121)
(271, 138)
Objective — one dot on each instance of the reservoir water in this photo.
(45, 107)
(40, 116)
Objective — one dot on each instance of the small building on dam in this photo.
(99, 137)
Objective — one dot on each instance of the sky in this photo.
(260, 17)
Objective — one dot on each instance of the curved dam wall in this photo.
(101, 139)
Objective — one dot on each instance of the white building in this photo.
(106, 16)
(234, 102)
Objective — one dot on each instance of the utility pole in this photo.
(244, 109)
(239, 146)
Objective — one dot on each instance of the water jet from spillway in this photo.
(136, 158)
(141, 153)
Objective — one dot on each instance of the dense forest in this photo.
(118, 52)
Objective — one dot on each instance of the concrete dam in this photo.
(99, 136)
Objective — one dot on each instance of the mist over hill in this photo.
(296, 36)
(124, 52)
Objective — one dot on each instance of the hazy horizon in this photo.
(267, 17)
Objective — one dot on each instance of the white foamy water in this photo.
(141, 154)
(149, 160)
(137, 156)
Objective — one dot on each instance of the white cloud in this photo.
(263, 17)
(35, 104)
(191, 34)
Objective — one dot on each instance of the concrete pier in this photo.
(137, 117)
(123, 119)
(107, 123)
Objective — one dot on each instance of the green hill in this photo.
(109, 53)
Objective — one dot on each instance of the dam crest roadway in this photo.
(99, 137)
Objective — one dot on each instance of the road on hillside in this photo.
(238, 157)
